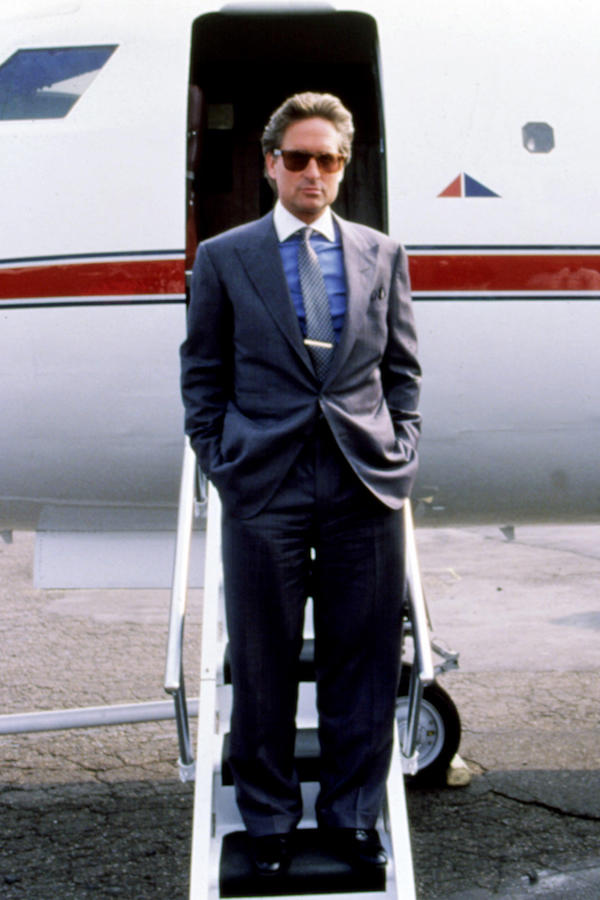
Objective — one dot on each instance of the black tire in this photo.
(438, 734)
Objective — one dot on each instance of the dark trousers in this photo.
(356, 580)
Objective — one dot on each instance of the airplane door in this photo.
(243, 65)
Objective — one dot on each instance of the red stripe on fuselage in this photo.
(445, 272)
(93, 279)
(434, 272)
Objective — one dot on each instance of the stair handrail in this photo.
(422, 672)
(174, 678)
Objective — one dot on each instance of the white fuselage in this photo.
(507, 287)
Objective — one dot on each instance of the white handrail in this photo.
(174, 682)
(181, 567)
(418, 612)
(423, 671)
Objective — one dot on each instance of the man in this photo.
(300, 384)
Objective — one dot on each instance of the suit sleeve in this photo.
(400, 369)
(205, 361)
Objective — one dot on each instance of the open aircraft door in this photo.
(242, 66)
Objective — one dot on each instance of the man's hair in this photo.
(309, 106)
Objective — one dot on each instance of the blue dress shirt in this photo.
(331, 260)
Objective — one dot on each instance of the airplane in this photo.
(130, 132)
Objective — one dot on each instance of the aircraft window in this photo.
(46, 84)
(538, 137)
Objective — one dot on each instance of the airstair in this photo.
(220, 863)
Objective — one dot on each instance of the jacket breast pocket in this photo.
(378, 295)
(375, 323)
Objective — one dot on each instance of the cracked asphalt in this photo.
(99, 813)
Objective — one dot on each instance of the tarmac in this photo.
(100, 812)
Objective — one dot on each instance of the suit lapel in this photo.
(258, 252)
(360, 257)
(260, 257)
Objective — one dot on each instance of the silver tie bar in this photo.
(310, 342)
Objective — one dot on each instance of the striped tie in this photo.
(320, 338)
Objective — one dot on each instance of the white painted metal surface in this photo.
(90, 403)
(79, 547)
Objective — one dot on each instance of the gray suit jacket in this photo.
(250, 392)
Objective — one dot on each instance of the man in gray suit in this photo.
(300, 384)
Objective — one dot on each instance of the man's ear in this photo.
(269, 165)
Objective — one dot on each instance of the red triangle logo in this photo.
(454, 189)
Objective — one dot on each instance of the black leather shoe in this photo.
(270, 853)
(358, 846)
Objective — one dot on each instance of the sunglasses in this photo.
(297, 160)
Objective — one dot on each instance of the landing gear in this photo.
(438, 733)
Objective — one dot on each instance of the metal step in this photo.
(312, 871)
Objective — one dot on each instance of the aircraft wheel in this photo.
(438, 732)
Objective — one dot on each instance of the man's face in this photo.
(306, 194)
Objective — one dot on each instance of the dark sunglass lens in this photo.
(298, 160)
(295, 160)
(328, 162)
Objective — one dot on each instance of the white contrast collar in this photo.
(286, 224)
